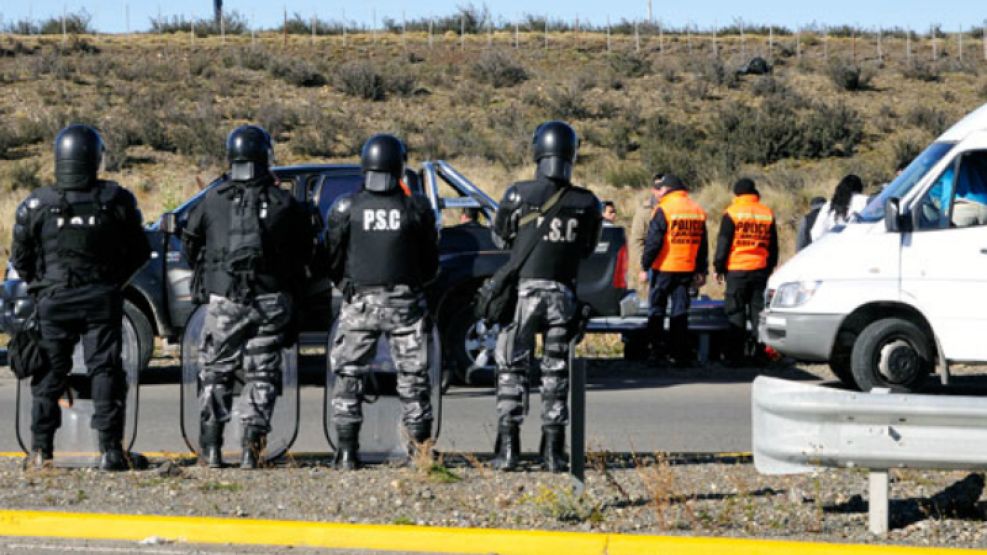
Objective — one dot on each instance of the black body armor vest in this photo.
(385, 240)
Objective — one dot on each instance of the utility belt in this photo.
(349, 288)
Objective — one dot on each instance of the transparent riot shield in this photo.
(382, 435)
(284, 422)
(76, 442)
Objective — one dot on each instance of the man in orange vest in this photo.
(676, 251)
(746, 254)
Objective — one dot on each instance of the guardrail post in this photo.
(878, 502)
(577, 418)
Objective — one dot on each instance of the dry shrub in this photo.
(360, 79)
(928, 118)
(498, 70)
(849, 76)
(921, 70)
(297, 72)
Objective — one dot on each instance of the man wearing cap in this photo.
(638, 232)
(746, 254)
(677, 253)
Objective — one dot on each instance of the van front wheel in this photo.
(892, 353)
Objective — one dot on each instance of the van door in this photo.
(944, 258)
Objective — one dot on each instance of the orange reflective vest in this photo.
(751, 234)
(686, 221)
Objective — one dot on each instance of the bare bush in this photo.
(629, 64)
(920, 70)
(360, 79)
(929, 118)
(498, 70)
(297, 72)
(21, 175)
(849, 76)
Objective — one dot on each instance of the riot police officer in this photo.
(76, 244)
(384, 249)
(250, 243)
(546, 297)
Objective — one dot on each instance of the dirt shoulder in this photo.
(638, 495)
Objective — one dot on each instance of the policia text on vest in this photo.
(746, 254)
(675, 256)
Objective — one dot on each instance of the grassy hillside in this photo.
(828, 108)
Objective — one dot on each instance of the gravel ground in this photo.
(646, 495)
(653, 494)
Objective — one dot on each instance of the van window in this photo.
(958, 197)
(905, 180)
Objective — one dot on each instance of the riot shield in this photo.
(284, 421)
(382, 435)
(76, 442)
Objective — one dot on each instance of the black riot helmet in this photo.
(555, 144)
(250, 152)
(382, 160)
(78, 156)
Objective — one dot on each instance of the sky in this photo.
(112, 15)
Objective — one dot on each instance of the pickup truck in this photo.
(158, 301)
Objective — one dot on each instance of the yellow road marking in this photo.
(407, 538)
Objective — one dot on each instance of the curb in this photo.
(672, 457)
(210, 530)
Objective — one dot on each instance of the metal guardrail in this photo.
(798, 427)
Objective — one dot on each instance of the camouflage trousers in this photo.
(542, 306)
(248, 337)
(401, 315)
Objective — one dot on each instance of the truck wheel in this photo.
(841, 366)
(142, 330)
(465, 340)
(892, 353)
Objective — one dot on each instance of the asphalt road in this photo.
(629, 409)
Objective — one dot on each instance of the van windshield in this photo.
(905, 181)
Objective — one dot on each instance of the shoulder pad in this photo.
(42, 196)
(110, 190)
(343, 204)
(513, 195)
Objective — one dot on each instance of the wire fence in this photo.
(471, 28)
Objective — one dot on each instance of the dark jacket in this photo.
(47, 255)
(382, 239)
(804, 237)
(571, 236)
(656, 240)
(724, 242)
(287, 239)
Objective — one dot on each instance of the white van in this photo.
(902, 289)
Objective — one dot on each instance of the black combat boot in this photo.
(112, 458)
(553, 448)
(211, 443)
(418, 434)
(508, 447)
(347, 445)
(254, 442)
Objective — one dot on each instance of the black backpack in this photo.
(27, 358)
(496, 300)
(244, 256)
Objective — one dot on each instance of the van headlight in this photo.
(790, 295)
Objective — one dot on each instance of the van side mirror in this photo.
(892, 215)
(169, 223)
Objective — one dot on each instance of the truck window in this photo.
(333, 187)
(958, 197)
